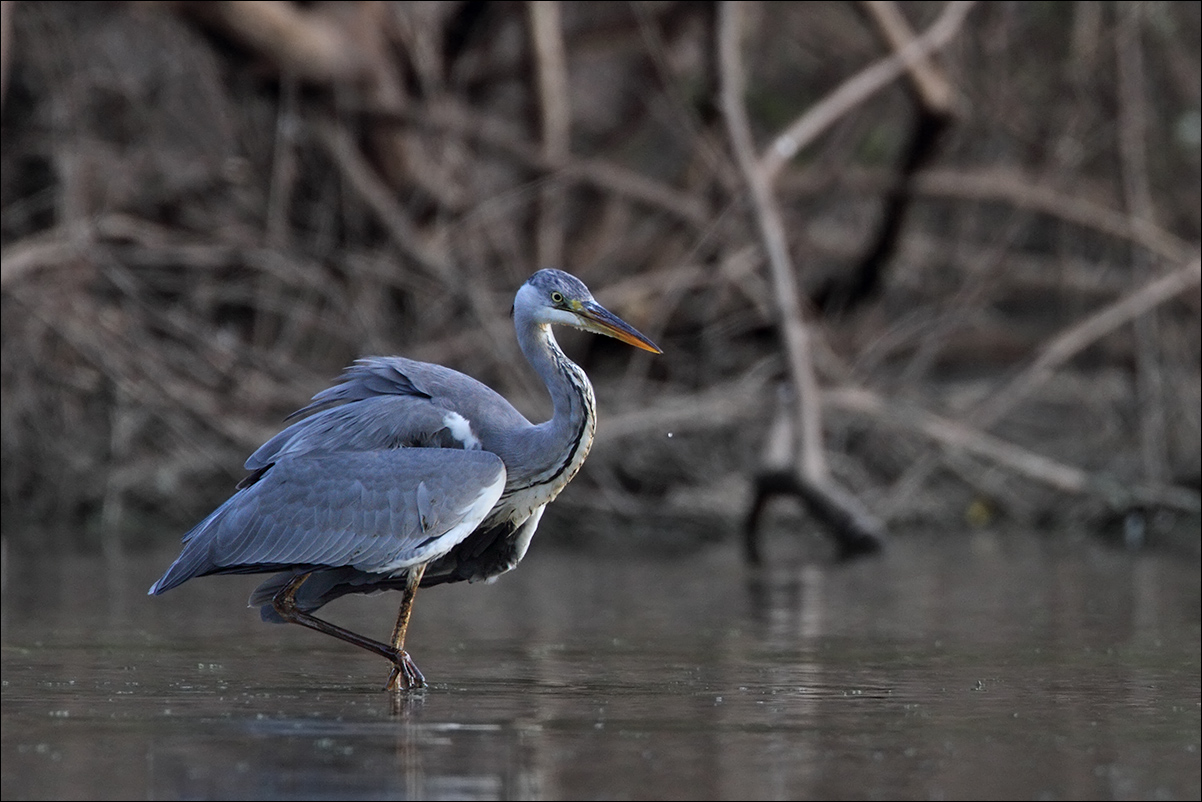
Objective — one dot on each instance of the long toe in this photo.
(405, 675)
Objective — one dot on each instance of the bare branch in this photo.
(930, 84)
(1137, 191)
(6, 41)
(300, 40)
(1084, 333)
(793, 327)
(556, 111)
(855, 90)
(1024, 462)
(604, 175)
(376, 194)
(839, 509)
(1028, 193)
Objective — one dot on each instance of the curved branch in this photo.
(861, 86)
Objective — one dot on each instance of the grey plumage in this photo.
(406, 473)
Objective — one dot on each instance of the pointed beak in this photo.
(596, 318)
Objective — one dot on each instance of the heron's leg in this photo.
(404, 672)
(284, 603)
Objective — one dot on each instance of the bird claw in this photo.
(405, 675)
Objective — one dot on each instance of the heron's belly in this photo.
(519, 543)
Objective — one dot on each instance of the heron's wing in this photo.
(376, 511)
(370, 377)
(392, 402)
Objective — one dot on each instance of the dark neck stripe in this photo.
(575, 376)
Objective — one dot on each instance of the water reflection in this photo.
(304, 758)
(966, 668)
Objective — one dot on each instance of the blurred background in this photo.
(208, 209)
(955, 245)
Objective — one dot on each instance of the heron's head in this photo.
(553, 296)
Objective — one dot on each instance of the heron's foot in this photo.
(404, 676)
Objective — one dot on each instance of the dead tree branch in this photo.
(1076, 338)
(854, 527)
(855, 90)
(1137, 194)
(555, 108)
(962, 437)
(929, 82)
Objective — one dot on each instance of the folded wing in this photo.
(376, 511)
(387, 403)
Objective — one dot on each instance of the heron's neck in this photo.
(562, 442)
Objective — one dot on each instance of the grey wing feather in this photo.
(425, 507)
(368, 377)
(385, 403)
(375, 511)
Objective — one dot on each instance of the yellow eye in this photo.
(557, 297)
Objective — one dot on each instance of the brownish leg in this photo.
(405, 675)
(284, 603)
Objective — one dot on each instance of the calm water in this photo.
(976, 667)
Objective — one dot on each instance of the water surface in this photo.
(969, 667)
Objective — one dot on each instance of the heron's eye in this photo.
(557, 297)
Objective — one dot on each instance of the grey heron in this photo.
(406, 474)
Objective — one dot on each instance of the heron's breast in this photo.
(520, 502)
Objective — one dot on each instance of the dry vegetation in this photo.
(975, 257)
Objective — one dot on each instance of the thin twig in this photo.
(1029, 193)
(929, 82)
(303, 40)
(1076, 338)
(450, 117)
(283, 165)
(861, 86)
(1137, 192)
(6, 40)
(1056, 352)
(556, 117)
(376, 194)
(1063, 477)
